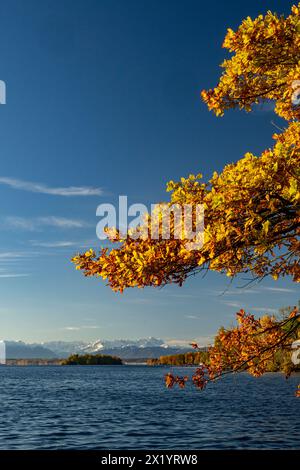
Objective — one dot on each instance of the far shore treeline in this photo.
(277, 364)
(193, 358)
(183, 359)
(74, 359)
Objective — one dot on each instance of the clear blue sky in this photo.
(105, 94)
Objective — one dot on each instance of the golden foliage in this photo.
(250, 346)
(252, 207)
(264, 64)
(252, 211)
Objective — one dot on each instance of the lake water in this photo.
(128, 407)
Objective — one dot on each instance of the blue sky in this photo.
(104, 96)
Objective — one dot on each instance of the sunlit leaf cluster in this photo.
(252, 224)
(264, 64)
(249, 346)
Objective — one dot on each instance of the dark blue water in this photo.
(127, 407)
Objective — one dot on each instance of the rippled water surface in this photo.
(127, 407)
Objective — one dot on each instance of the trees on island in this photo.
(91, 360)
(252, 207)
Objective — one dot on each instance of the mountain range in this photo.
(126, 349)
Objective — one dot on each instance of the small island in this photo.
(91, 360)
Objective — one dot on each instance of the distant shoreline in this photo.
(43, 362)
(33, 362)
(60, 361)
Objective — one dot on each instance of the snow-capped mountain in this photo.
(123, 343)
(126, 349)
(98, 346)
(68, 347)
(133, 349)
(93, 347)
